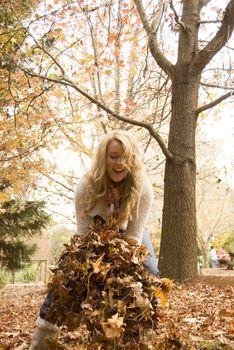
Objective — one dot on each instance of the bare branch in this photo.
(151, 31)
(215, 102)
(206, 22)
(204, 2)
(62, 215)
(67, 82)
(143, 17)
(183, 26)
(56, 193)
(56, 181)
(226, 46)
(37, 96)
(202, 58)
(217, 86)
(220, 215)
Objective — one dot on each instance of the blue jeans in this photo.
(46, 305)
(214, 264)
(150, 265)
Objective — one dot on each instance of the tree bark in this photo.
(178, 251)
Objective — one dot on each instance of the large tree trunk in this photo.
(178, 251)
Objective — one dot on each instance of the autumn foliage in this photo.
(101, 282)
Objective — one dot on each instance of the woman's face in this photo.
(115, 170)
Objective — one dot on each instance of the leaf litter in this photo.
(105, 299)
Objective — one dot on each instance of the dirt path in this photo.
(218, 278)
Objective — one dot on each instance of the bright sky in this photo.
(222, 131)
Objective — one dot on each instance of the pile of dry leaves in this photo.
(102, 284)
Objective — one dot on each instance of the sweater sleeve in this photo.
(141, 212)
(83, 221)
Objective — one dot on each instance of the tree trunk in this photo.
(178, 251)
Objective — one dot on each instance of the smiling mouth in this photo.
(118, 171)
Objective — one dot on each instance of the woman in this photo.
(116, 186)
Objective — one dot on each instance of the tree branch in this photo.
(62, 215)
(204, 2)
(217, 86)
(202, 58)
(38, 44)
(151, 31)
(67, 82)
(64, 80)
(215, 102)
(182, 25)
(60, 194)
(56, 181)
(29, 150)
(206, 22)
(143, 17)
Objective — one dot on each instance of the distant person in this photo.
(214, 258)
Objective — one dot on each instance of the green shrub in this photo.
(229, 243)
(3, 279)
(29, 274)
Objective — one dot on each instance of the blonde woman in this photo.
(117, 186)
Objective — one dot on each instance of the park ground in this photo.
(198, 316)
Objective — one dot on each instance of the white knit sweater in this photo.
(134, 228)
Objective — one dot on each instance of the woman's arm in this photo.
(83, 221)
(141, 211)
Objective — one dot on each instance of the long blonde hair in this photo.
(96, 178)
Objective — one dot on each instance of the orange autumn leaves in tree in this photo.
(24, 131)
(25, 117)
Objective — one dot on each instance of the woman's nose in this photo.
(120, 162)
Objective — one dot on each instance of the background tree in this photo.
(24, 123)
(229, 243)
(59, 236)
(18, 223)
